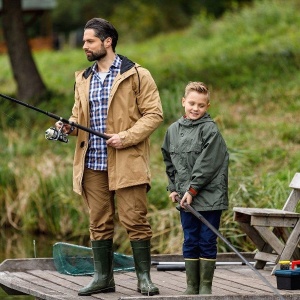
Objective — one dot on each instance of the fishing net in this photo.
(78, 260)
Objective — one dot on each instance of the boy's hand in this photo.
(173, 195)
(188, 198)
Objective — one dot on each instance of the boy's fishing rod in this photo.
(190, 209)
(52, 133)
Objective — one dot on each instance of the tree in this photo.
(28, 79)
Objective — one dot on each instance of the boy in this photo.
(196, 159)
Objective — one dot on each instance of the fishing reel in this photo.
(54, 134)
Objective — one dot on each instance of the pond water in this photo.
(4, 296)
(13, 244)
(16, 245)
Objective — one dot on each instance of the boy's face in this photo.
(195, 105)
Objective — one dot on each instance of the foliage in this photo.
(250, 60)
(136, 20)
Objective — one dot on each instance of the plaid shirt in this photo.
(96, 157)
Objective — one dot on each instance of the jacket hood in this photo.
(126, 65)
(188, 122)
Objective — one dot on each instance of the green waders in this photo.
(192, 276)
(207, 269)
(142, 262)
(103, 281)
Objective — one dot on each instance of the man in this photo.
(120, 98)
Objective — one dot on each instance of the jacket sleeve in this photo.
(170, 169)
(210, 160)
(150, 108)
(74, 116)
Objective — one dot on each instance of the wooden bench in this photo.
(275, 232)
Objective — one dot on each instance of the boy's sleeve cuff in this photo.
(192, 192)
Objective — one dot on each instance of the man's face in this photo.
(93, 46)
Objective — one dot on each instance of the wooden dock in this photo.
(232, 281)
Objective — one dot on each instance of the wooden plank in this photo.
(274, 221)
(82, 281)
(252, 211)
(295, 183)
(282, 233)
(240, 217)
(291, 243)
(292, 201)
(57, 290)
(266, 257)
(27, 264)
(253, 235)
(270, 238)
(260, 264)
(29, 288)
(235, 282)
(243, 276)
(241, 281)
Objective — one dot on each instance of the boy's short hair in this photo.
(199, 87)
(103, 29)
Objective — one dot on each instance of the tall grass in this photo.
(250, 60)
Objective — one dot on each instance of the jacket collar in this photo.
(126, 65)
(187, 122)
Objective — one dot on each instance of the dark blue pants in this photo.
(199, 240)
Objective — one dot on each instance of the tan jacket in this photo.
(134, 112)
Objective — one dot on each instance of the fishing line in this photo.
(56, 117)
(50, 134)
(190, 209)
(14, 119)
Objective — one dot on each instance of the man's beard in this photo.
(96, 55)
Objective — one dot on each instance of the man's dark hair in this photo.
(103, 29)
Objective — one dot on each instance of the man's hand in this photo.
(114, 141)
(65, 127)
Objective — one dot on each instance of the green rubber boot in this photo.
(207, 269)
(103, 281)
(142, 262)
(192, 276)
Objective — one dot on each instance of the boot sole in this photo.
(104, 290)
(146, 293)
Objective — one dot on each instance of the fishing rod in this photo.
(190, 209)
(52, 133)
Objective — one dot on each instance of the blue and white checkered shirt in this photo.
(96, 157)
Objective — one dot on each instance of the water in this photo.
(16, 245)
(4, 296)
(13, 244)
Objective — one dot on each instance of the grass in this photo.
(250, 59)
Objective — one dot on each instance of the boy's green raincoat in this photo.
(195, 155)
